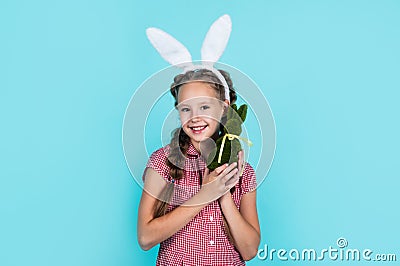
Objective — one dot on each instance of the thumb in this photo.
(206, 171)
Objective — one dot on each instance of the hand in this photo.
(218, 182)
(240, 162)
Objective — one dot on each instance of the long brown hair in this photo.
(180, 140)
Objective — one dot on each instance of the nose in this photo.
(194, 119)
(195, 116)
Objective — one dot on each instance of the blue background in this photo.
(330, 71)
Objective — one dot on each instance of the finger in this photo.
(221, 168)
(232, 182)
(238, 172)
(229, 175)
(206, 171)
(229, 169)
(241, 156)
(241, 162)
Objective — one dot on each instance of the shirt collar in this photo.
(192, 150)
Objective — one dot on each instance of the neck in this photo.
(196, 145)
(206, 146)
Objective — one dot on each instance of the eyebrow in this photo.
(184, 104)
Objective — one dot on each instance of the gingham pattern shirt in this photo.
(203, 240)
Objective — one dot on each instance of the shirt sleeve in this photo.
(157, 161)
(249, 182)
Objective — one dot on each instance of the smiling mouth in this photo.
(198, 129)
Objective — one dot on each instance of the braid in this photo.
(232, 92)
(178, 148)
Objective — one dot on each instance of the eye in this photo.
(184, 109)
(204, 107)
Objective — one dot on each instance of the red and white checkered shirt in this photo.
(203, 240)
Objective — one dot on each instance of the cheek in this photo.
(184, 117)
(215, 116)
(214, 112)
(213, 123)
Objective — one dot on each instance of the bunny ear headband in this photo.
(177, 55)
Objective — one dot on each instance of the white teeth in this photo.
(198, 128)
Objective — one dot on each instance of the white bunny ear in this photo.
(169, 48)
(216, 40)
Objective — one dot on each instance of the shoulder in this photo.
(161, 152)
(158, 161)
(248, 169)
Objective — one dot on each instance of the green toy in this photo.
(228, 143)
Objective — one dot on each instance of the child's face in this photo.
(200, 110)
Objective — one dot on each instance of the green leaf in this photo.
(243, 111)
(234, 107)
(233, 126)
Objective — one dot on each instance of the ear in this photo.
(226, 103)
(216, 40)
(169, 48)
(225, 107)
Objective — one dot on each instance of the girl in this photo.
(188, 210)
